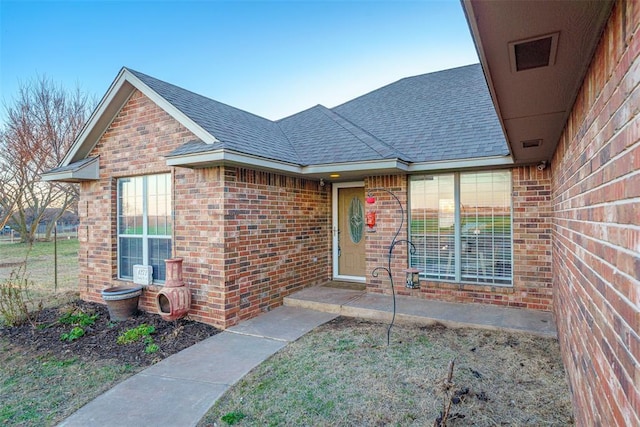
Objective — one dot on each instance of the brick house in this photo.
(259, 209)
(544, 219)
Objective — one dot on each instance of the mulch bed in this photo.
(99, 341)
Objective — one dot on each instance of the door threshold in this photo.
(340, 284)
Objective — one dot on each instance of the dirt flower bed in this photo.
(343, 374)
(100, 339)
(50, 371)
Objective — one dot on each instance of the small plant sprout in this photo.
(73, 335)
(151, 348)
(142, 332)
(135, 334)
(80, 320)
(233, 417)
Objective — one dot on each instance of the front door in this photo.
(350, 233)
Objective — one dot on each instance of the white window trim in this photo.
(458, 235)
(145, 225)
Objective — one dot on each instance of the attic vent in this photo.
(531, 143)
(533, 53)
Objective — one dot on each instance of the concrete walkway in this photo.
(179, 390)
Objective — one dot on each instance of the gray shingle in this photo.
(444, 115)
(73, 166)
(321, 136)
(236, 129)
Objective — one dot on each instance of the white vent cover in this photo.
(142, 274)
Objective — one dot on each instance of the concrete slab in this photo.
(326, 297)
(145, 400)
(379, 307)
(284, 323)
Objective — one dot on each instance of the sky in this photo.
(271, 58)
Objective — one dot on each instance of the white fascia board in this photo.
(99, 115)
(363, 166)
(220, 157)
(481, 162)
(196, 129)
(88, 172)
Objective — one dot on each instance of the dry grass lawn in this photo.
(344, 374)
(341, 374)
(40, 269)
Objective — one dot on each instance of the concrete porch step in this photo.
(359, 303)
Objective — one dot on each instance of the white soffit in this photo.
(88, 171)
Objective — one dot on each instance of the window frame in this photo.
(457, 236)
(145, 236)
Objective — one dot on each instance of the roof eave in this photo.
(462, 164)
(227, 157)
(356, 170)
(87, 172)
(345, 170)
(232, 158)
(533, 105)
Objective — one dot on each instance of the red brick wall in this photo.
(596, 233)
(378, 239)
(134, 144)
(531, 288)
(277, 239)
(199, 240)
(247, 238)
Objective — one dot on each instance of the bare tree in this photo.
(42, 123)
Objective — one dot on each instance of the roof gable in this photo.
(108, 108)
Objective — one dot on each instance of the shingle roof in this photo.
(236, 129)
(438, 116)
(321, 136)
(446, 115)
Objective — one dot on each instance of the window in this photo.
(144, 224)
(461, 226)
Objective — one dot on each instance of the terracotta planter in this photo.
(173, 277)
(174, 299)
(122, 301)
(173, 303)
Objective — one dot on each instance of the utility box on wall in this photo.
(142, 274)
